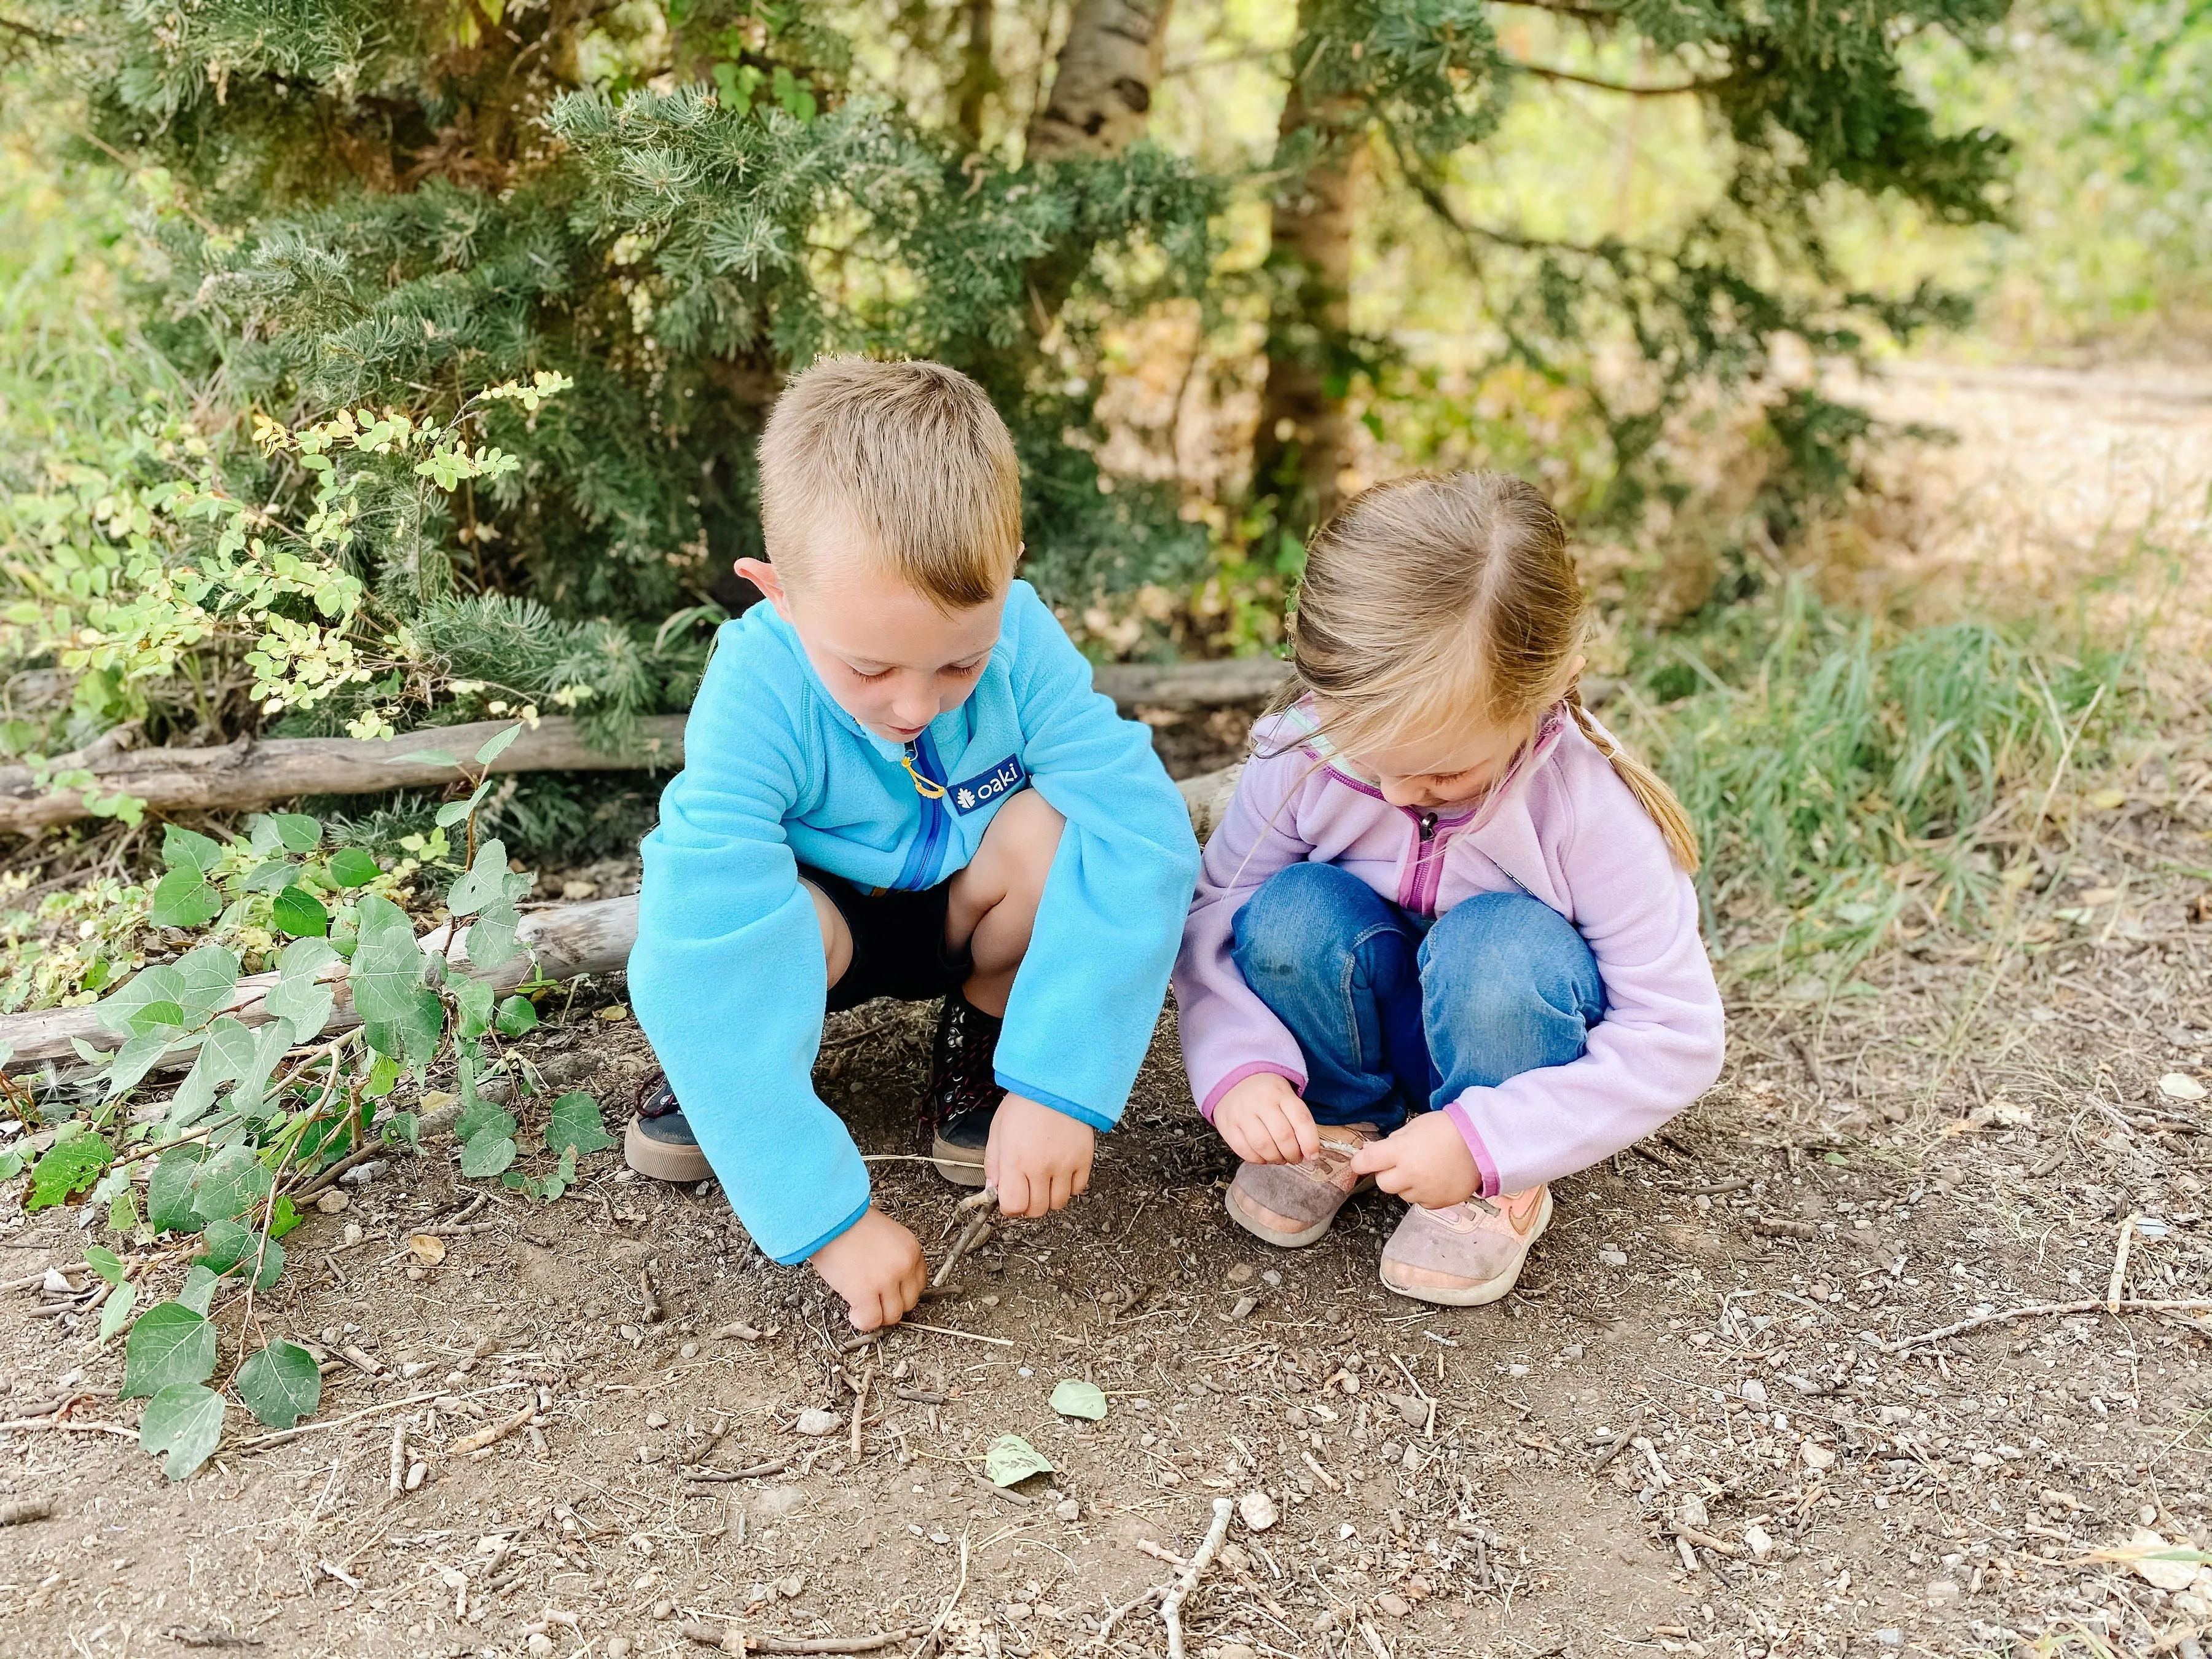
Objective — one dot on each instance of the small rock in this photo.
(1892, 1638)
(817, 1422)
(1613, 1258)
(1572, 1351)
(361, 1174)
(1943, 1592)
(790, 1585)
(2179, 1086)
(416, 1473)
(1414, 1411)
(2168, 1575)
(1236, 1650)
(1693, 1511)
(618, 1647)
(656, 1419)
(539, 1643)
(664, 1609)
(332, 1202)
(1753, 1390)
(688, 1351)
(1258, 1510)
(1242, 1274)
(1067, 1509)
(1816, 1457)
(1394, 1604)
(352, 1233)
(1756, 1540)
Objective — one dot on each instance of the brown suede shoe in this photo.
(1292, 1204)
(1467, 1255)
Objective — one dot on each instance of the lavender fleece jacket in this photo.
(1561, 827)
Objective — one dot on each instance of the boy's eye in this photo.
(974, 667)
(869, 673)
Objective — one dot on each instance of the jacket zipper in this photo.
(921, 860)
(1425, 870)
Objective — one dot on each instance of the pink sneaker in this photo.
(1468, 1254)
(1292, 1204)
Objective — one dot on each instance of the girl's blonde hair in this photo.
(1437, 596)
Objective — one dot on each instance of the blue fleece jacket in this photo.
(727, 974)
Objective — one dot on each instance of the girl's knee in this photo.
(1498, 953)
(1301, 910)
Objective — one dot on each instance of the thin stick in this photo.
(398, 1458)
(943, 1330)
(282, 1435)
(1201, 1559)
(67, 1427)
(2095, 1305)
(860, 1407)
(973, 1235)
(929, 1642)
(1114, 1615)
(2119, 1279)
(1620, 1443)
(733, 1640)
(493, 1435)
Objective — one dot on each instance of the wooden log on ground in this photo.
(255, 773)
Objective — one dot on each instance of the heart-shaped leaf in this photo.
(516, 1016)
(169, 1344)
(1012, 1459)
(183, 1423)
(281, 1384)
(72, 1164)
(172, 1188)
(230, 1183)
(1073, 1397)
(577, 1123)
(352, 867)
(187, 849)
(300, 913)
(183, 899)
(487, 1154)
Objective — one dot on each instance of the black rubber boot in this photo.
(963, 1094)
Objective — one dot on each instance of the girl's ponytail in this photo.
(1649, 789)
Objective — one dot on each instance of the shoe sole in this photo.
(660, 1161)
(1289, 1241)
(1478, 1295)
(961, 1165)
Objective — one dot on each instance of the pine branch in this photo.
(1545, 72)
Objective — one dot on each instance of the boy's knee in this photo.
(1027, 831)
(1298, 912)
(837, 938)
(1497, 954)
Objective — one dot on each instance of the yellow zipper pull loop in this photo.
(922, 786)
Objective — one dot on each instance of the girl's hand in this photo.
(1426, 1163)
(1264, 1121)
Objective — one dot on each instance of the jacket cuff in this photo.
(1060, 1104)
(1249, 1069)
(1463, 1121)
(834, 1234)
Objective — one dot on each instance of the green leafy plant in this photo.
(280, 1096)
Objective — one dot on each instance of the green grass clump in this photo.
(1835, 773)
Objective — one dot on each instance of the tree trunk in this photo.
(979, 77)
(1299, 448)
(1102, 88)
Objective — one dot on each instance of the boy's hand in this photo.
(1264, 1121)
(1037, 1159)
(1425, 1163)
(876, 1266)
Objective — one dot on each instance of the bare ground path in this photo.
(1690, 1431)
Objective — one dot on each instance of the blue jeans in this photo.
(1395, 1014)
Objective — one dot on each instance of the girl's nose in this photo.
(1401, 793)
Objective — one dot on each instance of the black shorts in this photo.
(898, 942)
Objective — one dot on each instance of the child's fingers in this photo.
(1302, 1132)
(1375, 1159)
(1063, 1187)
(1014, 1192)
(1082, 1183)
(1283, 1136)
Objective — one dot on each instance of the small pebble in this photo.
(656, 1419)
(332, 1202)
(790, 1586)
(664, 1609)
(353, 1232)
(1942, 1592)
(1613, 1258)
(1067, 1509)
(1756, 1540)
(1241, 1273)
(416, 1473)
(1394, 1604)
(688, 1351)
(817, 1422)
(618, 1647)
(539, 1643)
(1258, 1510)
(1752, 1389)
(361, 1174)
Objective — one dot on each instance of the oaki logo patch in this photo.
(1003, 780)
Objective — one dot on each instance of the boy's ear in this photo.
(761, 574)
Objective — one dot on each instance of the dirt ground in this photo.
(1702, 1425)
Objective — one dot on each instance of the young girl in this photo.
(1445, 940)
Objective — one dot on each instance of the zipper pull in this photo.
(922, 786)
(1428, 825)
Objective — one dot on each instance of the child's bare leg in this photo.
(836, 937)
(992, 905)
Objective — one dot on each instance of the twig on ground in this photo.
(998, 1491)
(735, 1640)
(68, 1426)
(973, 1235)
(1114, 1614)
(751, 1473)
(2119, 1279)
(494, 1434)
(944, 1330)
(1201, 1559)
(1619, 1444)
(2094, 1305)
(928, 1644)
(16, 1511)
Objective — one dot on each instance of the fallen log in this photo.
(559, 942)
(260, 772)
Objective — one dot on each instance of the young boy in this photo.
(898, 781)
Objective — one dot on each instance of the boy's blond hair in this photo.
(910, 456)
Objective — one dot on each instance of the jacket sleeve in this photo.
(1088, 995)
(727, 975)
(1228, 1033)
(1659, 1046)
